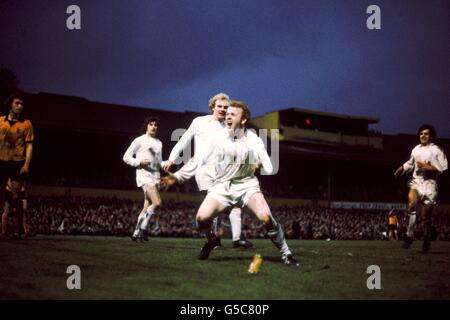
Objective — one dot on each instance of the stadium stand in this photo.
(324, 157)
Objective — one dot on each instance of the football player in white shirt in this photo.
(144, 154)
(201, 129)
(427, 161)
(236, 154)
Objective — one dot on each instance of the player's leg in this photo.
(217, 230)
(413, 198)
(16, 207)
(3, 183)
(215, 225)
(26, 222)
(5, 218)
(426, 215)
(391, 232)
(207, 211)
(430, 192)
(209, 208)
(204, 178)
(258, 205)
(6, 212)
(26, 219)
(236, 223)
(137, 233)
(152, 194)
(236, 229)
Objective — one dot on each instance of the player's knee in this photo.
(412, 199)
(200, 218)
(412, 202)
(203, 217)
(202, 221)
(157, 204)
(265, 217)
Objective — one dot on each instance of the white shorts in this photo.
(234, 193)
(148, 185)
(146, 178)
(427, 190)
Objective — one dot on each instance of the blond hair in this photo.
(241, 105)
(217, 97)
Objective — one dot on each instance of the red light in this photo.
(308, 122)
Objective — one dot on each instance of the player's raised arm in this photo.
(180, 146)
(189, 169)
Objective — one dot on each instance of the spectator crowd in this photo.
(114, 216)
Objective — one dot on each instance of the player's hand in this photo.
(424, 165)
(398, 172)
(144, 163)
(167, 182)
(167, 166)
(257, 166)
(24, 170)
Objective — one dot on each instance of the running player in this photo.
(427, 161)
(144, 154)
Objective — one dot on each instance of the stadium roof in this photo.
(76, 113)
(335, 153)
(332, 115)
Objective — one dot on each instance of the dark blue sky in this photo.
(272, 54)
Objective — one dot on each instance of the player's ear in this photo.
(243, 121)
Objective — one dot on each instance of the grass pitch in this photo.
(167, 268)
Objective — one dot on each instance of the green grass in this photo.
(165, 268)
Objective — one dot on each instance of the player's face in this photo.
(152, 127)
(17, 106)
(220, 109)
(234, 118)
(425, 137)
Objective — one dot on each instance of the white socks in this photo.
(411, 223)
(146, 220)
(277, 236)
(138, 224)
(236, 223)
